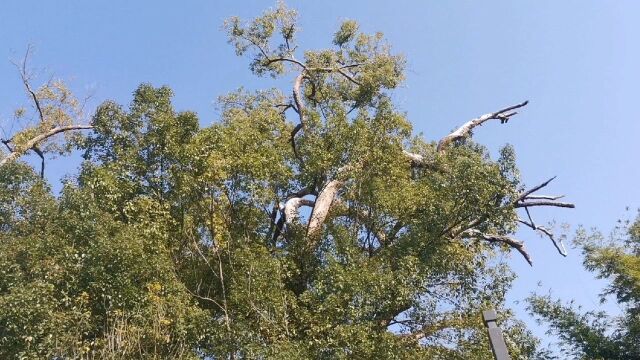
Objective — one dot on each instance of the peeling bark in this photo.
(322, 205)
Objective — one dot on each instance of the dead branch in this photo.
(543, 197)
(543, 200)
(289, 210)
(526, 193)
(297, 97)
(465, 130)
(514, 243)
(545, 203)
(270, 61)
(33, 144)
(26, 78)
(559, 245)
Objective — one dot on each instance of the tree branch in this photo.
(543, 197)
(297, 97)
(29, 145)
(41, 155)
(545, 203)
(465, 130)
(559, 245)
(544, 200)
(514, 243)
(322, 205)
(523, 195)
(291, 207)
(25, 77)
(283, 59)
(294, 132)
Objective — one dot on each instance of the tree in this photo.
(596, 335)
(56, 110)
(313, 225)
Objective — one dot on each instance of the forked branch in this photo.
(559, 245)
(522, 200)
(504, 239)
(465, 130)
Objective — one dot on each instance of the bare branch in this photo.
(543, 197)
(349, 77)
(289, 210)
(533, 189)
(285, 107)
(283, 59)
(324, 200)
(416, 159)
(559, 245)
(7, 144)
(419, 161)
(514, 243)
(463, 131)
(545, 203)
(545, 200)
(26, 78)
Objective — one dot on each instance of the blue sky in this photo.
(576, 61)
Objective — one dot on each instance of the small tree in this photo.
(54, 110)
(596, 335)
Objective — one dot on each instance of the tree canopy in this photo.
(594, 334)
(304, 223)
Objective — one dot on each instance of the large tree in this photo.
(308, 223)
(595, 334)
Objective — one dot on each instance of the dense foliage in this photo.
(596, 335)
(172, 239)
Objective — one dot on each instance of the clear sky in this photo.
(576, 61)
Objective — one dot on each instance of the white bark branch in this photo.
(292, 206)
(545, 203)
(322, 206)
(525, 194)
(416, 159)
(463, 131)
(543, 200)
